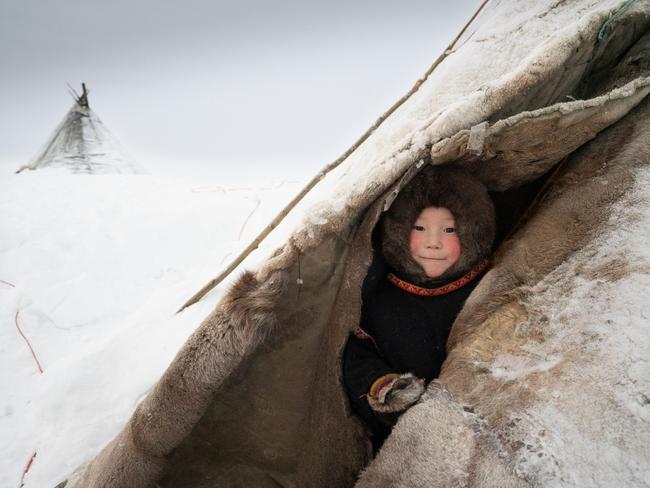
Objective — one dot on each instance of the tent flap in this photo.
(254, 397)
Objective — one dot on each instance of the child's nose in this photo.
(433, 241)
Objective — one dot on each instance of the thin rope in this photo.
(40, 369)
(299, 280)
(613, 16)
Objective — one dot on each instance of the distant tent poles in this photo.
(82, 100)
(82, 144)
(321, 174)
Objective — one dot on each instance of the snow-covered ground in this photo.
(93, 269)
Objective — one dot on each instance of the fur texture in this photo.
(403, 392)
(412, 459)
(494, 427)
(224, 375)
(138, 455)
(451, 188)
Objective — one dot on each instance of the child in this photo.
(435, 239)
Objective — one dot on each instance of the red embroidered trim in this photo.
(442, 290)
(381, 383)
(385, 384)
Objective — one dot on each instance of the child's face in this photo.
(434, 244)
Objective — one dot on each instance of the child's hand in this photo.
(396, 394)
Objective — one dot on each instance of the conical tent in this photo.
(82, 144)
(546, 377)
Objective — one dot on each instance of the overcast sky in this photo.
(202, 87)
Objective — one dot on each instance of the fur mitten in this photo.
(395, 393)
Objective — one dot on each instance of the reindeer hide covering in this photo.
(547, 374)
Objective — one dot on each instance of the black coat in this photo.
(400, 332)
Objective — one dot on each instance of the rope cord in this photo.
(613, 16)
(40, 369)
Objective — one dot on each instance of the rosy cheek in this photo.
(415, 242)
(453, 247)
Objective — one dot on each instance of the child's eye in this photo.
(449, 230)
(418, 228)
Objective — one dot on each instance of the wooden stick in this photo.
(26, 470)
(278, 218)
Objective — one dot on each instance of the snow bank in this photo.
(94, 268)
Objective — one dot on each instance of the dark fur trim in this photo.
(440, 186)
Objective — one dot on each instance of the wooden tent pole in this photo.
(314, 181)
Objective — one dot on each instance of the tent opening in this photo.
(511, 207)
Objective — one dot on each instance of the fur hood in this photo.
(449, 187)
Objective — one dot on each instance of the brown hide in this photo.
(483, 445)
(271, 395)
(254, 397)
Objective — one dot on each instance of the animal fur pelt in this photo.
(241, 322)
(526, 366)
(254, 397)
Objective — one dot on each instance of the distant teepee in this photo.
(82, 144)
